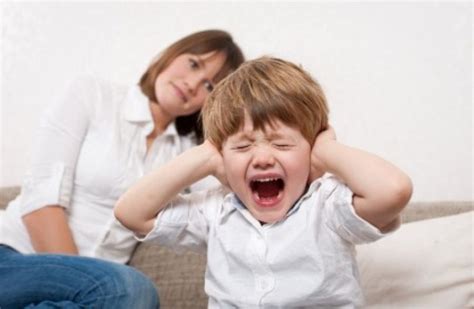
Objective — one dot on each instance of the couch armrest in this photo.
(7, 194)
(417, 211)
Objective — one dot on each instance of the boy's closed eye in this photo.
(241, 147)
(282, 145)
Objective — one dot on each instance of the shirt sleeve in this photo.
(184, 223)
(56, 147)
(341, 216)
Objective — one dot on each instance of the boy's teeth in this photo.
(267, 179)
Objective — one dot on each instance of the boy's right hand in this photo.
(217, 163)
(318, 167)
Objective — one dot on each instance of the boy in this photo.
(284, 237)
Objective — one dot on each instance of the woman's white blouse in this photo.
(90, 147)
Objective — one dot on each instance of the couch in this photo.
(427, 263)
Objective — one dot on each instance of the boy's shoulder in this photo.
(202, 195)
(210, 200)
(326, 191)
(326, 185)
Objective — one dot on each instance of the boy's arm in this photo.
(139, 206)
(380, 189)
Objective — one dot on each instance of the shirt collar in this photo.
(231, 204)
(312, 188)
(137, 110)
(171, 130)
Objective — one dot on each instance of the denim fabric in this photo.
(61, 281)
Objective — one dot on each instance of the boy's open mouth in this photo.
(267, 192)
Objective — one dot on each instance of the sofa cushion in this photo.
(426, 264)
(7, 194)
(178, 277)
(427, 210)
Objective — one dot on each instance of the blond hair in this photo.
(267, 89)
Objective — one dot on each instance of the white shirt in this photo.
(90, 147)
(304, 261)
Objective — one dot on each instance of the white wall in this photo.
(398, 76)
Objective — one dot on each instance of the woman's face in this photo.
(182, 87)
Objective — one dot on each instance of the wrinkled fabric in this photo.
(304, 261)
(61, 281)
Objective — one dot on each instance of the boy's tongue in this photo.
(267, 189)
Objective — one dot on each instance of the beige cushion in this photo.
(427, 210)
(178, 277)
(7, 194)
(426, 264)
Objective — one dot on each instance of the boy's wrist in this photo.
(214, 162)
(322, 147)
(210, 156)
(321, 155)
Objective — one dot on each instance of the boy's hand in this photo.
(318, 167)
(217, 163)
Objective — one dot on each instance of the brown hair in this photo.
(268, 89)
(197, 43)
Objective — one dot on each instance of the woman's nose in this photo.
(192, 83)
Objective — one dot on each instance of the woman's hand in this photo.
(318, 168)
(217, 163)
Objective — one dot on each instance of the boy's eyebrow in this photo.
(247, 136)
(242, 136)
(274, 135)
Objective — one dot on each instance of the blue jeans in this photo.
(61, 281)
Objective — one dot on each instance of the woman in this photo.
(91, 146)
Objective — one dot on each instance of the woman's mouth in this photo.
(179, 93)
(267, 192)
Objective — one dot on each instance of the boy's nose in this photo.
(263, 158)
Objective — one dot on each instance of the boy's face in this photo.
(267, 170)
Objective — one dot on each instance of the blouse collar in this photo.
(137, 110)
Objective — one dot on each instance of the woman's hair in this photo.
(197, 43)
(267, 89)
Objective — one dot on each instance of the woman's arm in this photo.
(49, 184)
(381, 190)
(49, 231)
(139, 206)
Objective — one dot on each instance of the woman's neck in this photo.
(161, 119)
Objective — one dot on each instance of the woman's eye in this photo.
(209, 86)
(193, 64)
